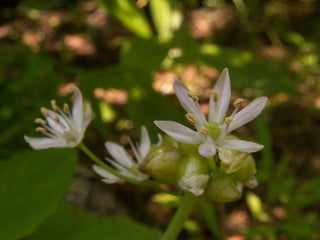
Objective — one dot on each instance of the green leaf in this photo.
(166, 17)
(127, 12)
(74, 223)
(31, 185)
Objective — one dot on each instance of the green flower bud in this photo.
(246, 171)
(223, 188)
(187, 148)
(169, 141)
(193, 174)
(162, 163)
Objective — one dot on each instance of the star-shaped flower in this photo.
(211, 133)
(62, 128)
(123, 162)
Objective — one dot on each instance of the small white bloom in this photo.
(61, 127)
(211, 133)
(123, 162)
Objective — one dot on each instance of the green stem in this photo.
(179, 218)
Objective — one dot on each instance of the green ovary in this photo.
(214, 130)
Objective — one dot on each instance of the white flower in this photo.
(123, 162)
(62, 128)
(211, 133)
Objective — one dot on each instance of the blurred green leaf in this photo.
(211, 218)
(74, 223)
(127, 12)
(143, 54)
(31, 185)
(166, 16)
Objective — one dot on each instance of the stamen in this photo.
(66, 108)
(56, 119)
(194, 96)
(44, 112)
(228, 120)
(215, 95)
(237, 102)
(191, 118)
(40, 121)
(40, 129)
(54, 105)
(204, 130)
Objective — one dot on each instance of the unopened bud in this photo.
(246, 170)
(193, 174)
(162, 164)
(222, 188)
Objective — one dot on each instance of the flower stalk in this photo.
(182, 214)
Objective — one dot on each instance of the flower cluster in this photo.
(204, 160)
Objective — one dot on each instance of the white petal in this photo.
(249, 113)
(218, 110)
(187, 102)
(108, 177)
(119, 154)
(145, 144)
(43, 143)
(179, 132)
(77, 109)
(126, 171)
(208, 148)
(241, 145)
(87, 118)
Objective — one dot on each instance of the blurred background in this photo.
(123, 55)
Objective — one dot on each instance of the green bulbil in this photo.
(169, 141)
(246, 171)
(186, 149)
(162, 163)
(223, 188)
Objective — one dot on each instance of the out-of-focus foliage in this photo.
(123, 56)
(32, 184)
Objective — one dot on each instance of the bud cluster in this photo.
(220, 179)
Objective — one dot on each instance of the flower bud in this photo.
(187, 148)
(223, 188)
(193, 174)
(162, 164)
(246, 171)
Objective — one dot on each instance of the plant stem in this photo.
(179, 218)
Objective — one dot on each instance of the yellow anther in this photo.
(194, 96)
(66, 108)
(54, 105)
(40, 121)
(44, 112)
(215, 95)
(40, 129)
(56, 119)
(228, 120)
(204, 130)
(237, 102)
(191, 118)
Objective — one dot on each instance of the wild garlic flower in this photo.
(211, 133)
(123, 162)
(62, 128)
